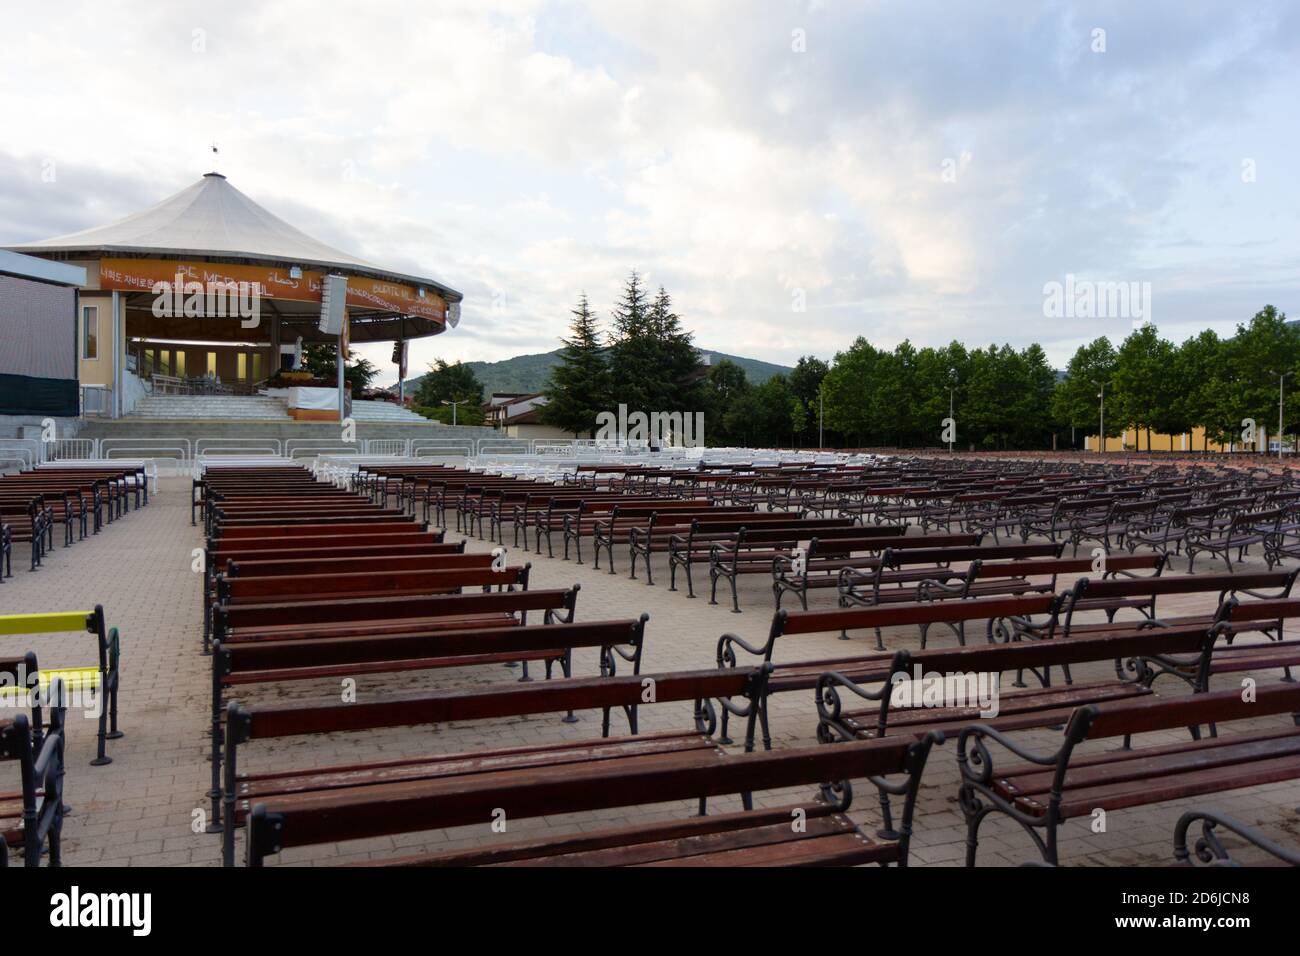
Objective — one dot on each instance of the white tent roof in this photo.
(213, 218)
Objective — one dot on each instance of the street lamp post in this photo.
(952, 391)
(453, 408)
(1101, 436)
(1281, 378)
(821, 417)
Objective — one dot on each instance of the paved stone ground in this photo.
(140, 810)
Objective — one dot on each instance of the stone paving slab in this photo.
(141, 809)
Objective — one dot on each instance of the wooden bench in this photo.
(330, 620)
(1114, 594)
(1243, 530)
(1050, 788)
(739, 693)
(308, 581)
(687, 541)
(1006, 514)
(26, 523)
(803, 674)
(823, 561)
(623, 522)
(1166, 536)
(904, 575)
(98, 682)
(813, 832)
(275, 662)
(31, 817)
(985, 579)
(946, 690)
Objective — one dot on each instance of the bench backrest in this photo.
(500, 700)
(921, 612)
(383, 608)
(1098, 721)
(1033, 567)
(897, 558)
(305, 586)
(1128, 587)
(421, 560)
(345, 815)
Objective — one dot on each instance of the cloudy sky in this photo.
(797, 173)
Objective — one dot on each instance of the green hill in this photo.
(528, 373)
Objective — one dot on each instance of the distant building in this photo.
(39, 344)
(518, 415)
(1135, 440)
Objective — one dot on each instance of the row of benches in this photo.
(81, 499)
(296, 807)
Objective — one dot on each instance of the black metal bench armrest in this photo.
(925, 590)
(728, 643)
(1209, 850)
(976, 762)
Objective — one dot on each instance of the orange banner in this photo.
(142, 275)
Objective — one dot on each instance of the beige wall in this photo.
(99, 370)
(1134, 439)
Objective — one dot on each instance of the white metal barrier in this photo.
(296, 448)
(64, 448)
(504, 446)
(248, 447)
(442, 448)
(395, 447)
(23, 452)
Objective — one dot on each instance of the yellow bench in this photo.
(101, 678)
(75, 680)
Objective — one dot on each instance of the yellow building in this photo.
(1134, 439)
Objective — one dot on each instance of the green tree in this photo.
(450, 383)
(1142, 384)
(1195, 374)
(678, 358)
(1075, 402)
(766, 415)
(1256, 356)
(805, 383)
(848, 392)
(941, 378)
(579, 387)
(638, 379)
(322, 361)
(722, 387)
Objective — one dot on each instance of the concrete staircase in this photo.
(363, 411)
(189, 408)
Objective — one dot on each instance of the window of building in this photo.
(180, 363)
(241, 367)
(212, 363)
(90, 332)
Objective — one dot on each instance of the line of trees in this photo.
(1000, 397)
(646, 361)
(1205, 382)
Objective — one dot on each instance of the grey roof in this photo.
(41, 270)
(212, 218)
